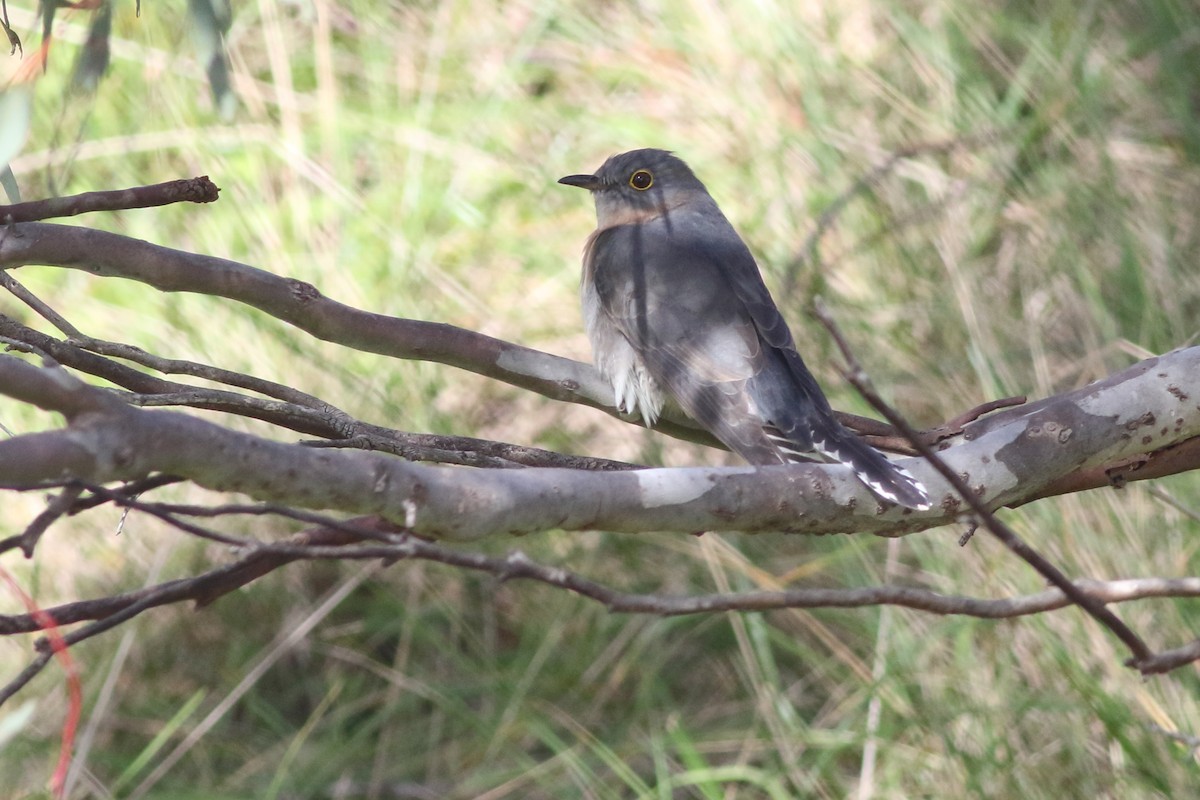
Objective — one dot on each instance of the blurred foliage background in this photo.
(1038, 230)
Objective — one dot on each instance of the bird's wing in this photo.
(690, 329)
(798, 417)
(706, 328)
(787, 380)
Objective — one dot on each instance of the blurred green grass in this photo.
(402, 157)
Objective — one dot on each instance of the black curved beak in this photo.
(589, 182)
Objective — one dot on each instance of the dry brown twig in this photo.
(373, 538)
(184, 190)
(854, 373)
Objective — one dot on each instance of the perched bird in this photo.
(674, 304)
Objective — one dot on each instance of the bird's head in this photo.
(640, 185)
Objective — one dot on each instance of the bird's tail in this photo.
(884, 478)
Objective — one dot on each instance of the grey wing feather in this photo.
(799, 417)
(689, 330)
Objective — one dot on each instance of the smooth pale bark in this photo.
(1009, 458)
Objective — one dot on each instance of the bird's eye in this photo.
(641, 180)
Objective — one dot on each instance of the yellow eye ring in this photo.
(641, 180)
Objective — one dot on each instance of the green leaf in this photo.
(16, 113)
(13, 724)
(210, 19)
(9, 182)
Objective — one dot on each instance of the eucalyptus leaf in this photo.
(16, 113)
(210, 20)
(9, 182)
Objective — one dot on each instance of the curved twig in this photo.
(1095, 608)
(344, 540)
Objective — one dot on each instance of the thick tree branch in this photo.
(1134, 414)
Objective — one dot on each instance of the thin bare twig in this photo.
(872, 178)
(170, 512)
(293, 409)
(302, 305)
(955, 425)
(857, 376)
(176, 366)
(1168, 660)
(1192, 742)
(60, 505)
(1162, 495)
(33, 301)
(131, 489)
(882, 436)
(333, 539)
(26, 675)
